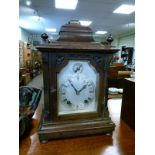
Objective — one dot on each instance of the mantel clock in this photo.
(75, 71)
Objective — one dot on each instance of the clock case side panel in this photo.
(46, 115)
(57, 62)
(107, 61)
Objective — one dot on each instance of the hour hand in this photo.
(73, 86)
(82, 89)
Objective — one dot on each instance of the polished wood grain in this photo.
(76, 43)
(128, 102)
(122, 141)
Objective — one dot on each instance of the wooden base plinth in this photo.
(50, 131)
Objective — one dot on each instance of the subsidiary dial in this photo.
(77, 68)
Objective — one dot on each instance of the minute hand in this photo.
(73, 87)
(82, 89)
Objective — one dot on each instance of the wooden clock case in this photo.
(75, 43)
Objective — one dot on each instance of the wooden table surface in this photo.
(122, 141)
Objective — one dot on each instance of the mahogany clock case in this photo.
(55, 57)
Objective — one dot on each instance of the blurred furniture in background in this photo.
(24, 76)
(117, 73)
(127, 54)
(30, 63)
(115, 92)
(29, 98)
(128, 102)
(36, 63)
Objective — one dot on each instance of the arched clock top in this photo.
(75, 37)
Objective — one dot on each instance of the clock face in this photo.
(78, 88)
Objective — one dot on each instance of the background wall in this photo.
(127, 40)
(23, 35)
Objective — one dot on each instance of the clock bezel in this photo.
(54, 99)
(96, 89)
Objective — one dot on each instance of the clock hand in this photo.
(82, 89)
(78, 68)
(73, 86)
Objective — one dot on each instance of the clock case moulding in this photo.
(75, 43)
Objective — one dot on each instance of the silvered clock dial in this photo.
(78, 88)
